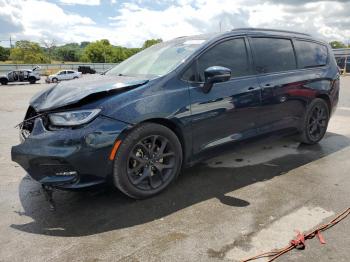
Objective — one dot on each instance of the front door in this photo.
(228, 112)
(62, 75)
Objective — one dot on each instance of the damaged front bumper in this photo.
(69, 158)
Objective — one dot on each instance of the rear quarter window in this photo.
(273, 54)
(310, 54)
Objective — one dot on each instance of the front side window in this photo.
(310, 54)
(273, 54)
(231, 54)
(190, 74)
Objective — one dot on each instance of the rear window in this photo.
(273, 54)
(310, 54)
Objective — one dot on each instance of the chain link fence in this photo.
(342, 55)
(51, 68)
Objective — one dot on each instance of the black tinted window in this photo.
(190, 74)
(273, 55)
(310, 54)
(231, 54)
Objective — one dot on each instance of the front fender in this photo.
(135, 106)
(165, 103)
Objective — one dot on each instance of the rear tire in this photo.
(315, 122)
(3, 81)
(147, 161)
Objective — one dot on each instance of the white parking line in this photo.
(343, 108)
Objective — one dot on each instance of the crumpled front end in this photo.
(67, 157)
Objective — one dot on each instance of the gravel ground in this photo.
(228, 208)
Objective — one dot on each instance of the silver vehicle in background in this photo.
(23, 75)
(63, 75)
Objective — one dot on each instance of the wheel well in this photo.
(173, 127)
(327, 100)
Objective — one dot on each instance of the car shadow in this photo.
(104, 209)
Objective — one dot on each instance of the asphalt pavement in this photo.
(245, 201)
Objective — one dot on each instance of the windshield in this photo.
(157, 60)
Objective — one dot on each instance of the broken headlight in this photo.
(73, 118)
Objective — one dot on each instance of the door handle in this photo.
(251, 88)
(267, 85)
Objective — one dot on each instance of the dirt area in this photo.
(225, 209)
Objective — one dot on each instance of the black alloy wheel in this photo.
(315, 122)
(147, 161)
(151, 162)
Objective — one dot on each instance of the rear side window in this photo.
(310, 54)
(273, 54)
(231, 54)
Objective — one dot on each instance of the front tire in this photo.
(147, 161)
(315, 122)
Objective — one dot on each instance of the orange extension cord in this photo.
(299, 242)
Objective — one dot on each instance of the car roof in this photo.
(248, 31)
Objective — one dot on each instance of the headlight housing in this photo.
(73, 118)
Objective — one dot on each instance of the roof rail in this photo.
(268, 30)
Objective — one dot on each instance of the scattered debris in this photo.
(299, 241)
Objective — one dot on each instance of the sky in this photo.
(130, 23)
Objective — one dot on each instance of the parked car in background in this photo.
(86, 70)
(344, 63)
(24, 75)
(176, 103)
(63, 75)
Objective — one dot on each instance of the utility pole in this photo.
(6, 40)
(220, 26)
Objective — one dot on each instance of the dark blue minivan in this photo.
(170, 105)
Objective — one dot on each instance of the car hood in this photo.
(71, 92)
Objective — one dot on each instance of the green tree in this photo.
(28, 52)
(68, 52)
(84, 44)
(98, 52)
(4, 53)
(49, 47)
(151, 42)
(337, 44)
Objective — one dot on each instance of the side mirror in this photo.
(215, 74)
